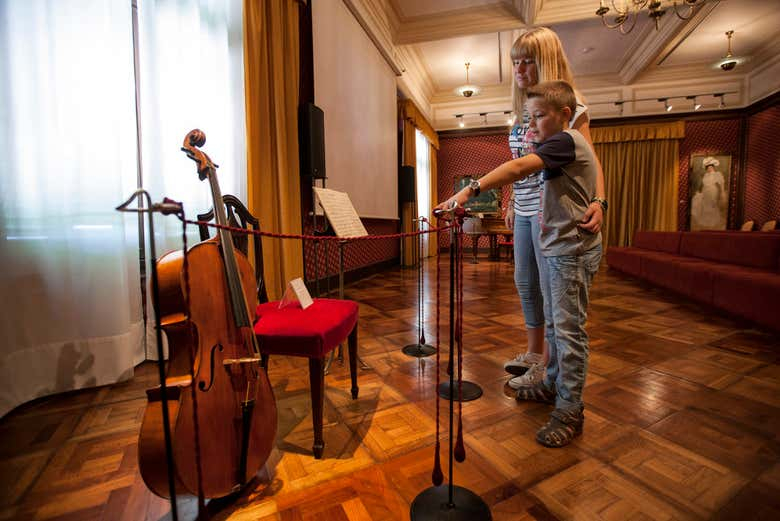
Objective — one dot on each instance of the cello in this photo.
(236, 409)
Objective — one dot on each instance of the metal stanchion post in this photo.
(420, 349)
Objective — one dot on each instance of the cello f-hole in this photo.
(202, 385)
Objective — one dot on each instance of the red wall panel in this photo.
(467, 156)
(762, 173)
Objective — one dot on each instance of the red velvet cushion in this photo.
(755, 250)
(668, 242)
(624, 259)
(310, 332)
(749, 293)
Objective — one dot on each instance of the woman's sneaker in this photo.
(533, 376)
(521, 364)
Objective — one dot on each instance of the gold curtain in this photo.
(409, 209)
(414, 119)
(271, 77)
(433, 239)
(641, 171)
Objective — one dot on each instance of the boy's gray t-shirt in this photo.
(569, 184)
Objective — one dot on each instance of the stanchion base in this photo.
(469, 391)
(433, 504)
(419, 350)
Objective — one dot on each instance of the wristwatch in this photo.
(602, 202)
(475, 187)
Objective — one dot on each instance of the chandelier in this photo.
(627, 12)
(468, 90)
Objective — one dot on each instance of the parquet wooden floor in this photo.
(682, 421)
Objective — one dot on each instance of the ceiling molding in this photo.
(651, 44)
(460, 22)
(372, 17)
(562, 11)
(528, 10)
(702, 13)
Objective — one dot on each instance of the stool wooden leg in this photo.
(317, 383)
(353, 358)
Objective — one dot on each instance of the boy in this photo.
(571, 254)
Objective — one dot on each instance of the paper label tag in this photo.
(296, 292)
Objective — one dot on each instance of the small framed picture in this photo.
(709, 180)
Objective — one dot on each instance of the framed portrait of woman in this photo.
(709, 180)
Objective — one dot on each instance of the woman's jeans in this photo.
(565, 288)
(528, 267)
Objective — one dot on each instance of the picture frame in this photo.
(709, 179)
(489, 201)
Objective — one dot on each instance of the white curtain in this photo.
(70, 277)
(191, 76)
(423, 180)
(71, 312)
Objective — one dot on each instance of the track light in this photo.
(666, 104)
(510, 120)
(484, 118)
(619, 105)
(696, 106)
(722, 104)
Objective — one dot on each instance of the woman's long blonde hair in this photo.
(544, 46)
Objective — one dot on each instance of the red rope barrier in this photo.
(315, 237)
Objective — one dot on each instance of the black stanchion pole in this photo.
(450, 502)
(420, 349)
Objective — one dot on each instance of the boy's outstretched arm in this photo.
(513, 170)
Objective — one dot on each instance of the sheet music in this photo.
(340, 212)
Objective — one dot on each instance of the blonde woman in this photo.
(538, 56)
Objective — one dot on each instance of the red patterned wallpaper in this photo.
(709, 137)
(357, 254)
(469, 155)
(762, 183)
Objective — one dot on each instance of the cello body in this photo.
(236, 409)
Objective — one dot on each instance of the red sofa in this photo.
(738, 272)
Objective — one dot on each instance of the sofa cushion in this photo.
(694, 278)
(755, 250)
(751, 294)
(668, 242)
(659, 268)
(624, 259)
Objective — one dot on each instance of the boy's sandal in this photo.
(535, 393)
(562, 428)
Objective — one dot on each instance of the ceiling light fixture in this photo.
(696, 106)
(627, 12)
(728, 62)
(510, 120)
(468, 90)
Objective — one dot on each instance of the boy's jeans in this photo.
(566, 284)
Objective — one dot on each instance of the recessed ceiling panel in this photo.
(593, 48)
(445, 60)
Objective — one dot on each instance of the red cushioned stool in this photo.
(312, 332)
